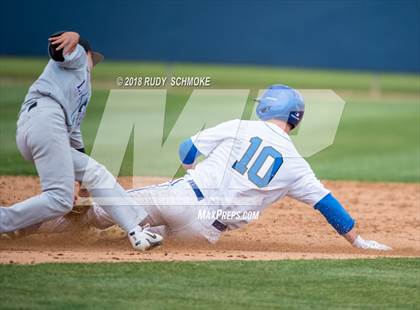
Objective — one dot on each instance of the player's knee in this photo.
(97, 176)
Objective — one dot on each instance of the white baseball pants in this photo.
(172, 207)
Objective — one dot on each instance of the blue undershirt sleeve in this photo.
(188, 152)
(335, 214)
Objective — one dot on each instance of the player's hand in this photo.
(67, 41)
(82, 201)
(360, 243)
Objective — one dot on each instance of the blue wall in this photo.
(371, 35)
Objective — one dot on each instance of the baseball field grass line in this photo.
(300, 284)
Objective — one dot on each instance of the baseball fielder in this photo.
(48, 134)
(248, 165)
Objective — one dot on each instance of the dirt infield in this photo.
(387, 212)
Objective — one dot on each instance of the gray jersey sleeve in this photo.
(75, 60)
(67, 81)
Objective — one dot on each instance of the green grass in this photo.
(375, 142)
(378, 139)
(319, 284)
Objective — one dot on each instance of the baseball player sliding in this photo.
(248, 165)
(48, 134)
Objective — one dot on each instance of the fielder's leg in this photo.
(42, 138)
(114, 200)
(106, 191)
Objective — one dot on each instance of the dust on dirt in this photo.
(386, 212)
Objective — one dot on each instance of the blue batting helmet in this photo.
(281, 102)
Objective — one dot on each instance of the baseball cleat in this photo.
(143, 239)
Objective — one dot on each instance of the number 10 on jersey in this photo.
(241, 166)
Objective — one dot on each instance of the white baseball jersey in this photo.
(249, 165)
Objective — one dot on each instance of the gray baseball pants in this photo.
(42, 138)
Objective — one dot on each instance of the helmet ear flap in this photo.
(294, 118)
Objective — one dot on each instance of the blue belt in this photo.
(196, 190)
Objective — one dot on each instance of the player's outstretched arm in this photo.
(343, 223)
